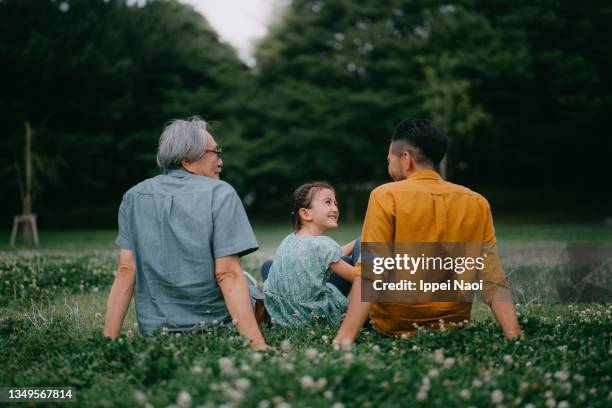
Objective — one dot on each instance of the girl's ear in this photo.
(305, 214)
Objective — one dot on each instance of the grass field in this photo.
(52, 303)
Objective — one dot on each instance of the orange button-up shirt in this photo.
(425, 208)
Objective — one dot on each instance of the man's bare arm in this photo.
(120, 294)
(356, 315)
(504, 312)
(235, 291)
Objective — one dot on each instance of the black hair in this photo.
(426, 141)
(302, 198)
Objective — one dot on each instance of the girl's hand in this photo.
(347, 250)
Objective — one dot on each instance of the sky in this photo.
(238, 22)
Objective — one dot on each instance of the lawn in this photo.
(52, 303)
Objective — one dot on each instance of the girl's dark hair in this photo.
(302, 198)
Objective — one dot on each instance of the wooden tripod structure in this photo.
(26, 222)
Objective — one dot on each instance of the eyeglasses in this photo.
(217, 151)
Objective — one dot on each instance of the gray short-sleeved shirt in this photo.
(176, 225)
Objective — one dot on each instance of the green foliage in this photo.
(98, 79)
(523, 87)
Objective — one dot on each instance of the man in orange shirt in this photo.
(420, 207)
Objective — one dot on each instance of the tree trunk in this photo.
(26, 228)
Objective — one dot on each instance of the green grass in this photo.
(52, 303)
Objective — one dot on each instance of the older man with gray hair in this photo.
(181, 235)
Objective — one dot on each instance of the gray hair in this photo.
(182, 139)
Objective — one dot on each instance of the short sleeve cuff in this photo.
(123, 243)
(241, 250)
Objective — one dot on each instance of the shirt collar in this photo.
(425, 175)
(178, 173)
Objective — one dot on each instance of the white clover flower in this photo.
(550, 403)
(328, 394)
(567, 387)
(508, 359)
(311, 353)
(497, 397)
(286, 345)
(257, 357)
(348, 358)
(562, 375)
(449, 362)
(242, 384)
(422, 396)
(321, 383)
(578, 378)
(338, 405)
(263, 404)
(563, 404)
(433, 373)
(140, 397)
(439, 356)
(325, 338)
(183, 400)
(548, 394)
(196, 369)
(226, 364)
(233, 395)
(376, 348)
(530, 405)
(465, 394)
(307, 382)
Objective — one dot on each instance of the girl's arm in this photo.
(343, 269)
(347, 250)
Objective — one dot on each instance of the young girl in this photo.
(297, 287)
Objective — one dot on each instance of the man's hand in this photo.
(120, 294)
(235, 291)
(356, 315)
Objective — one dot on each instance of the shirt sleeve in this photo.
(330, 251)
(379, 223)
(123, 237)
(492, 274)
(232, 232)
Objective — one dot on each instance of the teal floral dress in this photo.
(297, 289)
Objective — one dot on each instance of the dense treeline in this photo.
(524, 88)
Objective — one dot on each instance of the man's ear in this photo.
(305, 214)
(186, 165)
(407, 161)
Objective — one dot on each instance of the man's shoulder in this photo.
(386, 188)
(413, 186)
(459, 189)
(165, 184)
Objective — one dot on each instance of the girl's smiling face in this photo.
(323, 211)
